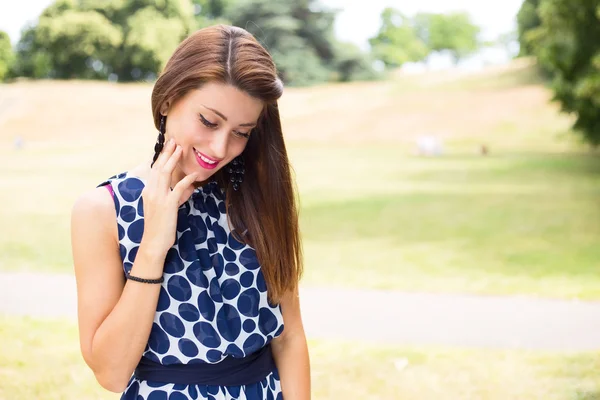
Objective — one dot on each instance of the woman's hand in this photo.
(161, 202)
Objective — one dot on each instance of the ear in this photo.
(164, 109)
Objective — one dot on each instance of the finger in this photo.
(173, 160)
(186, 194)
(165, 153)
(182, 185)
(165, 172)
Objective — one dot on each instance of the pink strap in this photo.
(110, 189)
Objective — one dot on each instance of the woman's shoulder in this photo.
(95, 205)
(99, 202)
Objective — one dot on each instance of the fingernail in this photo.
(171, 141)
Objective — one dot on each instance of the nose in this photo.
(220, 143)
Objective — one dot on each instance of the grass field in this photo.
(523, 219)
(40, 360)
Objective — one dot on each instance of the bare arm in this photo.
(290, 352)
(115, 317)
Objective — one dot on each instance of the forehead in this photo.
(236, 105)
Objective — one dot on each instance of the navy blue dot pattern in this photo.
(213, 303)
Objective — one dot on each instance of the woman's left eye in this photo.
(206, 122)
(242, 134)
(212, 125)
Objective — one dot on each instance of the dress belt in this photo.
(229, 372)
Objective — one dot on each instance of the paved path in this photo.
(378, 316)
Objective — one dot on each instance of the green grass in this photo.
(40, 359)
(377, 217)
(521, 223)
(524, 219)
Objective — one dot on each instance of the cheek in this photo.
(191, 133)
(190, 127)
(178, 123)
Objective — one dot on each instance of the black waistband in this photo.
(229, 372)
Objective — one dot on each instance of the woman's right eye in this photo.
(206, 122)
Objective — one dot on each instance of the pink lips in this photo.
(204, 164)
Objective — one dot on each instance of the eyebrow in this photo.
(225, 118)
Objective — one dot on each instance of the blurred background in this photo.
(440, 148)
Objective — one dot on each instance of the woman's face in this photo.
(212, 125)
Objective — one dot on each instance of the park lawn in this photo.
(40, 359)
(524, 219)
(502, 224)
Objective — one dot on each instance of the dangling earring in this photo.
(236, 172)
(161, 139)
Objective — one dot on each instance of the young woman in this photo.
(191, 292)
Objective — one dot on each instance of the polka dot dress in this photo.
(213, 302)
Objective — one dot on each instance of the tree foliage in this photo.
(77, 40)
(6, 54)
(133, 39)
(31, 60)
(566, 43)
(350, 63)
(299, 35)
(397, 41)
(404, 39)
(527, 20)
(210, 12)
(453, 32)
(276, 27)
(122, 39)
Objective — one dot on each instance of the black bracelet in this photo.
(144, 280)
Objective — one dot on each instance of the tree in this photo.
(31, 60)
(299, 35)
(397, 41)
(151, 39)
(151, 30)
(567, 44)
(79, 43)
(352, 64)
(125, 39)
(402, 39)
(277, 27)
(6, 54)
(209, 12)
(133, 39)
(527, 20)
(454, 33)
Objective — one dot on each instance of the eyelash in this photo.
(211, 125)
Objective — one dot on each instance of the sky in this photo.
(355, 23)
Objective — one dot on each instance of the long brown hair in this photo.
(263, 212)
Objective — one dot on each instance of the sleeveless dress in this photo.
(213, 302)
